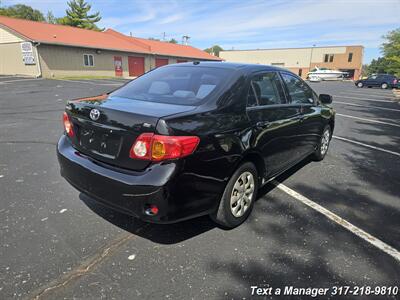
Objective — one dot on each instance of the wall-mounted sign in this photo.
(27, 53)
(26, 47)
(118, 65)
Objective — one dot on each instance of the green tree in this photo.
(78, 16)
(63, 21)
(50, 18)
(377, 66)
(214, 50)
(391, 51)
(173, 41)
(22, 11)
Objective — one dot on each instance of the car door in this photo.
(305, 100)
(371, 80)
(379, 80)
(374, 80)
(274, 122)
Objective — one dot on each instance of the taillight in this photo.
(156, 147)
(68, 125)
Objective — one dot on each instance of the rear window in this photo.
(176, 85)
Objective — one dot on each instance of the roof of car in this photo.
(382, 74)
(233, 66)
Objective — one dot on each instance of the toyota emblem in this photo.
(94, 114)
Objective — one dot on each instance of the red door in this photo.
(161, 62)
(181, 61)
(135, 65)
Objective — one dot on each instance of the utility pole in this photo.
(185, 39)
(163, 36)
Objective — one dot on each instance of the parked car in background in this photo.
(193, 139)
(384, 81)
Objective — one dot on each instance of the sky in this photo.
(247, 24)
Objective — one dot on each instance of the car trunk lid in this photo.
(107, 127)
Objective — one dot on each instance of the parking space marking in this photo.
(372, 93)
(365, 145)
(342, 222)
(367, 106)
(364, 99)
(368, 120)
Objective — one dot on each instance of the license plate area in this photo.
(100, 141)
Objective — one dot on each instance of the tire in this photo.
(360, 85)
(384, 86)
(225, 214)
(323, 145)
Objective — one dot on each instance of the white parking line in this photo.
(365, 145)
(368, 120)
(367, 106)
(380, 95)
(338, 220)
(364, 99)
(369, 93)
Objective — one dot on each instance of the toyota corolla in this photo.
(193, 139)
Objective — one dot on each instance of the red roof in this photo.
(165, 48)
(110, 39)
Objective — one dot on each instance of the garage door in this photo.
(161, 62)
(135, 65)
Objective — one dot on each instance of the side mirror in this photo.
(325, 98)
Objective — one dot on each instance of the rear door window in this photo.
(265, 89)
(184, 85)
(298, 90)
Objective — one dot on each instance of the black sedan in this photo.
(384, 81)
(193, 139)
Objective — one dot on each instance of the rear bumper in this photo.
(129, 191)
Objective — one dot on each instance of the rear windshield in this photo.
(183, 85)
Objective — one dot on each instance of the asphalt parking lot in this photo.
(56, 243)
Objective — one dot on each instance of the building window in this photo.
(350, 57)
(328, 58)
(88, 60)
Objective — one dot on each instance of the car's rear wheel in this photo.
(238, 198)
(384, 86)
(360, 84)
(323, 145)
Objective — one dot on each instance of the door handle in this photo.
(263, 124)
